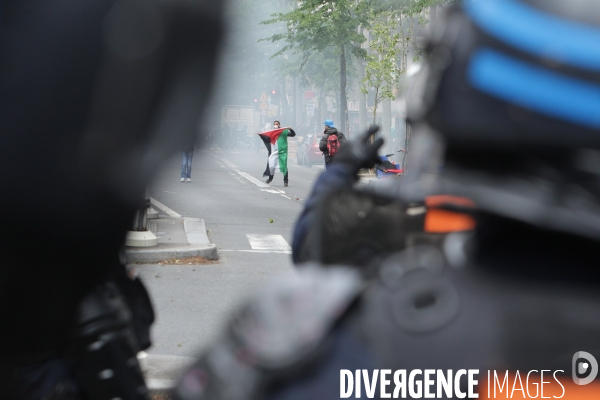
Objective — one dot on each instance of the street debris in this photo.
(187, 261)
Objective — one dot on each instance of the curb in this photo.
(154, 255)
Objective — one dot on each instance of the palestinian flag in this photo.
(277, 138)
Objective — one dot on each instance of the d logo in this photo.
(582, 367)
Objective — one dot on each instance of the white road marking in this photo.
(164, 208)
(268, 242)
(276, 191)
(252, 179)
(259, 251)
(243, 174)
(228, 163)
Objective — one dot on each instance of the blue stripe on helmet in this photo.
(537, 32)
(535, 88)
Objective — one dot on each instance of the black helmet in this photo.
(512, 88)
(514, 73)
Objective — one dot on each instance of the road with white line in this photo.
(251, 223)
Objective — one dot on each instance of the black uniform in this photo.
(93, 97)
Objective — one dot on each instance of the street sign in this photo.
(310, 108)
(263, 113)
(309, 94)
(264, 105)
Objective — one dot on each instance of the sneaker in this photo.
(285, 184)
(269, 180)
(182, 179)
(189, 179)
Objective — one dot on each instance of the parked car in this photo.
(308, 151)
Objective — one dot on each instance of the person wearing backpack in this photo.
(331, 141)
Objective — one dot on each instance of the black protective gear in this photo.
(519, 152)
(94, 99)
(487, 88)
(360, 152)
(100, 362)
(104, 348)
(357, 227)
(94, 96)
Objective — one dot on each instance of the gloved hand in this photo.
(360, 152)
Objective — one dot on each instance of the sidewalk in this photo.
(177, 238)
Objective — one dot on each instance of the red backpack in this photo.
(333, 144)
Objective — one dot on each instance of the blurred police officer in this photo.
(510, 91)
(94, 96)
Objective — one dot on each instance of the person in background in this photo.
(187, 154)
(331, 141)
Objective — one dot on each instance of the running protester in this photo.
(279, 150)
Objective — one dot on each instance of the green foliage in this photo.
(316, 25)
(315, 40)
(330, 28)
(382, 72)
(405, 7)
(316, 32)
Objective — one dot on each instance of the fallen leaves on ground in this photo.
(187, 261)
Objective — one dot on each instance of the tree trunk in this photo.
(362, 98)
(375, 105)
(342, 105)
(294, 102)
(283, 106)
(386, 126)
(299, 118)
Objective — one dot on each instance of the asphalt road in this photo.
(227, 190)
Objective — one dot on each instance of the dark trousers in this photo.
(285, 177)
